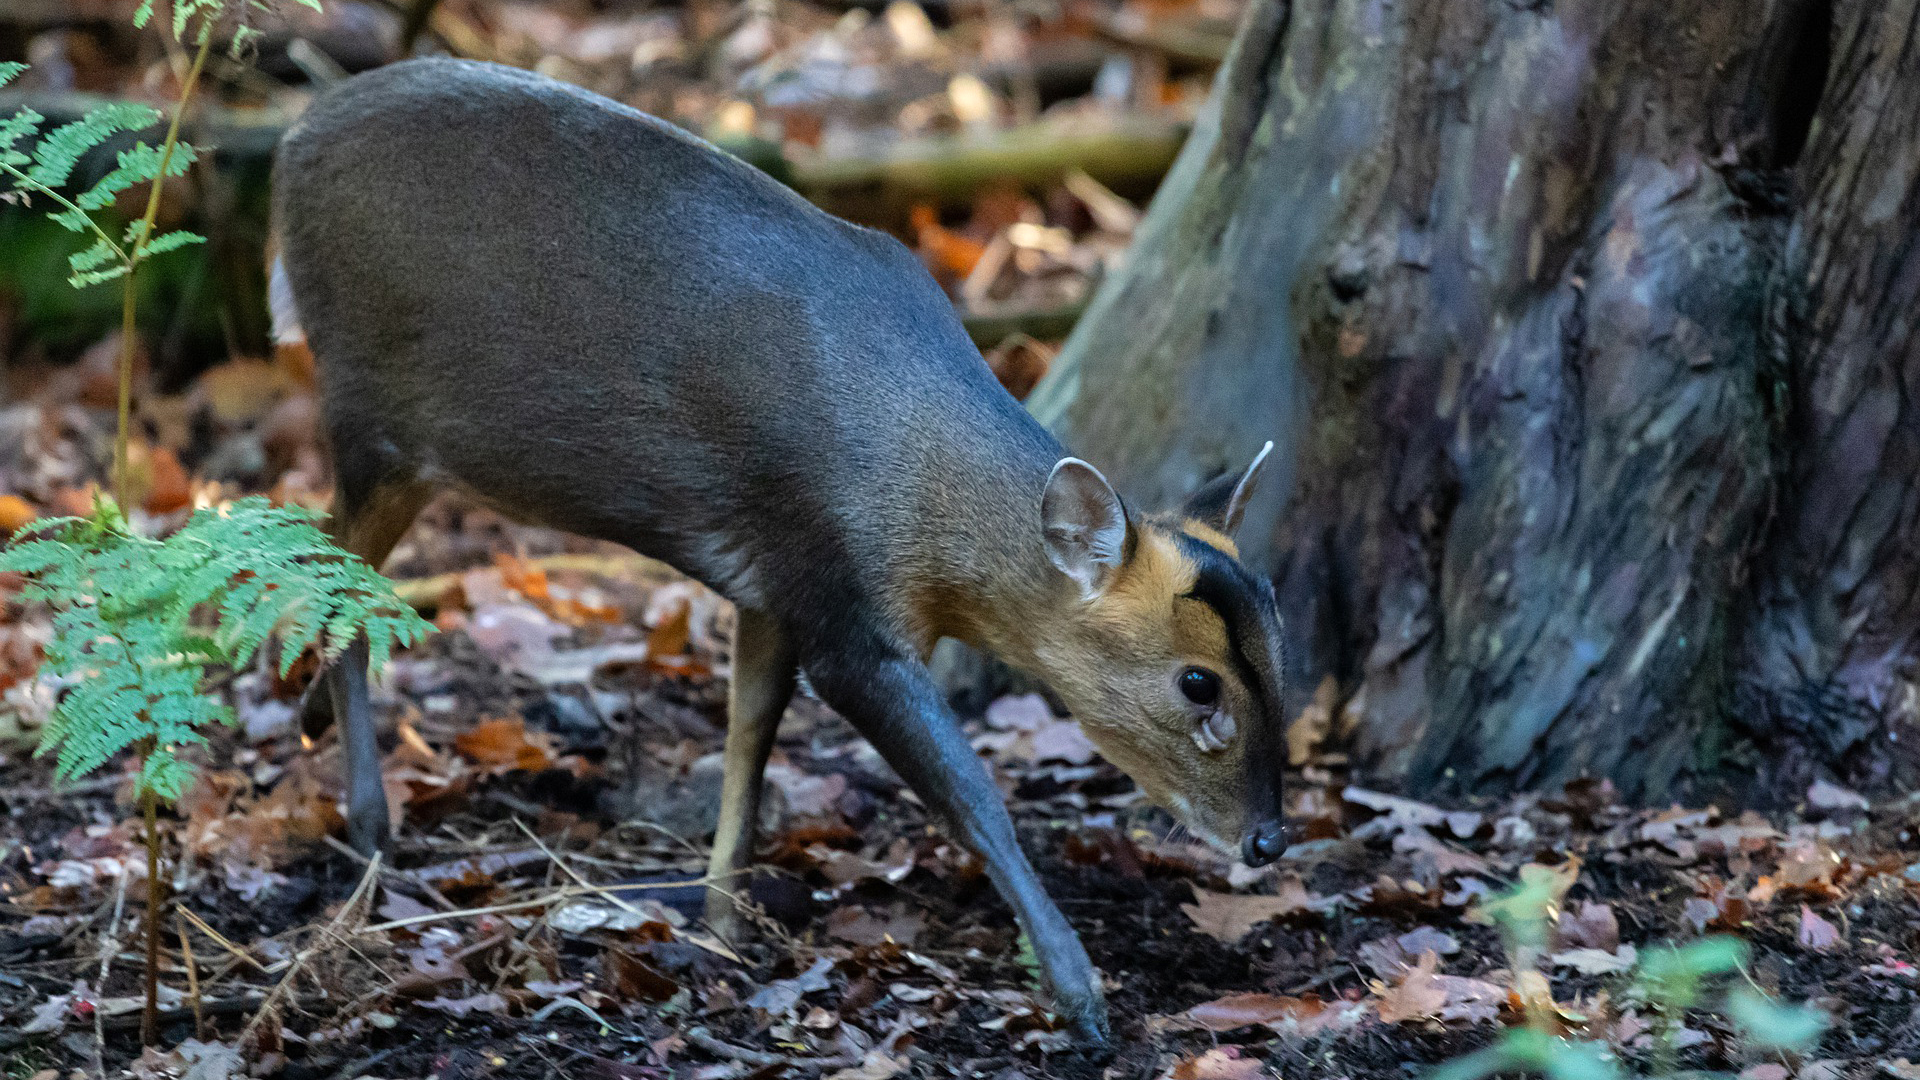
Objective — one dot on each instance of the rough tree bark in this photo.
(1589, 328)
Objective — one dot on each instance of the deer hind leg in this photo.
(368, 521)
(764, 668)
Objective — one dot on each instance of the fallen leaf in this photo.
(1229, 916)
(1830, 796)
(1398, 812)
(779, 998)
(502, 745)
(672, 635)
(1426, 939)
(1219, 1063)
(1424, 994)
(1816, 933)
(517, 636)
(876, 1065)
(804, 792)
(858, 926)
(1418, 996)
(1062, 740)
(15, 512)
(1022, 712)
(168, 486)
(1596, 961)
(634, 978)
(492, 1004)
(1289, 1017)
(1588, 925)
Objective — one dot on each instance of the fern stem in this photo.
(173, 139)
(41, 189)
(156, 895)
(122, 483)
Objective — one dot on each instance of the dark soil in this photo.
(951, 989)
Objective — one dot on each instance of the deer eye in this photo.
(1200, 686)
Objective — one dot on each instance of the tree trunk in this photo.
(1586, 325)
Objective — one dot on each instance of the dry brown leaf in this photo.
(1219, 1063)
(1588, 925)
(1245, 1010)
(1424, 994)
(1229, 916)
(858, 926)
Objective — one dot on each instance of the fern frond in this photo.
(14, 128)
(137, 622)
(169, 241)
(62, 148)
(10, 70)
(138, 164)
(185, 10)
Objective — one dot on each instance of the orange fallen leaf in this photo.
(673, 634)
(15, 512)
(945, 249)
(502, 745)
(1289, 1017)
(526, 578)
(168, 486)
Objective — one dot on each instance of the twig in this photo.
(300, 961)
(99, 785)
(395, 874)
(557, 1004)
(221, 940)
(522, 905)
(570, 872)
(109, 945)
(193, 975)
(760, 1059)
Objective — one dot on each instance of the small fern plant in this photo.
(138, 621)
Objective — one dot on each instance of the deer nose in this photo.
(1264, 843)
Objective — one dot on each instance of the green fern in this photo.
(138, 621)
(57, 151)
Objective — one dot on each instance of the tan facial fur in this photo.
(1117, 663)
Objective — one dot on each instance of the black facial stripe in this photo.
(1245, 607)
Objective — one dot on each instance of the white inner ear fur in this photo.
(1242, 491)
(1084, 524)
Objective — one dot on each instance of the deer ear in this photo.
(1222, 501)
(1086, 528)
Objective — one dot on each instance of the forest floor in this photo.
(555, 754)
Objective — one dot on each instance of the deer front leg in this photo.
(893, 701)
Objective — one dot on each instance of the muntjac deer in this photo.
(589, 319)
